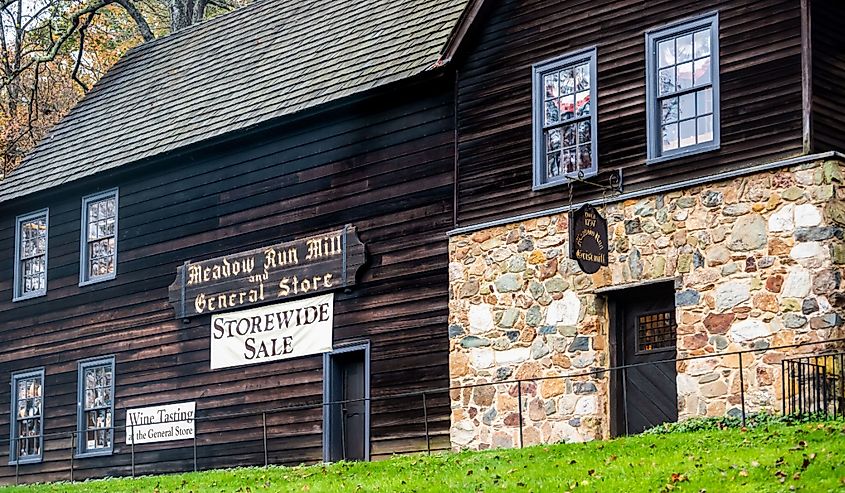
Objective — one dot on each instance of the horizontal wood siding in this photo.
(384, 164)
(760, 94)
(828, 74)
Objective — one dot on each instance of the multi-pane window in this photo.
(656, 331)
(31, 255)
(683, 88)
(99, 237)
(565, 118)
(27, 416)
(96, 406)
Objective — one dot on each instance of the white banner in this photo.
(160, 423)
(271, 333)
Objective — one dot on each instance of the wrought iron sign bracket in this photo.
(609, 183)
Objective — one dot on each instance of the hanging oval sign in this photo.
(588, 238)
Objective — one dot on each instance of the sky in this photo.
(9, 14)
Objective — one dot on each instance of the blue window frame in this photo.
(682, 88)
(31, 233)
(95, 407)
(27, 417)
(98, 242)
(564, 118)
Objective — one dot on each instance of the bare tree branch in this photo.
(75, 74)
(58, 43)
(143, 26)
(36, 15)
(3, 47)
(223, 4)
(32, 114)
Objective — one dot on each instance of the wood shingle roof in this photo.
(270, 59)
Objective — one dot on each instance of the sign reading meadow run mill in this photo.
(303, 267)
(588, 238)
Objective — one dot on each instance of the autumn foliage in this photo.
(53, 51)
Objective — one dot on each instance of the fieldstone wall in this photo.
(760, 260)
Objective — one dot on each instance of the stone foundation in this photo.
(758, 262)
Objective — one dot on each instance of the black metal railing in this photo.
(810, 385)
(814, 385)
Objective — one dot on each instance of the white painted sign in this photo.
(160, 423)
(271, 333)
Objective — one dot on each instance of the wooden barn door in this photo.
(347, 416)
(646, 333)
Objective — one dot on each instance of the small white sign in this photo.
(270, 333)
(160, 423)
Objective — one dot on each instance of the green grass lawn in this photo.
(772, 458)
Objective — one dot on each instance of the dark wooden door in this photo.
(348, 410)
(647, 333)
(354, 410)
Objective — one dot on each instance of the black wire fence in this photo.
(814, 385)
(810, 385)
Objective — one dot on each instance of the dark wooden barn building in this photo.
(256, 131)
(278, 228)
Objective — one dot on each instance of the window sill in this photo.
(94, 453)
(28, 296)
(21, 462)
(562, 182)
(682, 154)
(96, 280)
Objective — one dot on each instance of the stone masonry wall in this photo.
(760, 261)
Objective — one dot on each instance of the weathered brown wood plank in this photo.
(384, 165)
(760, 46)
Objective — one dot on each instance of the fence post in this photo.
(519, 397)
(195, 447)
(791, 371)
(823, 382)
(817, 384)
(425, 418)
(17, 459)
(72, 453)
(783, 386)
(132, 446)
(264, 427)
(625, 397)
(836, 397)
(840, 403)
(795, 401)
(742, 389)
(802, 405)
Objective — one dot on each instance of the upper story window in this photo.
(565, 118)
(98, 261)
(27, 423)
(96, 407)
(682, 86)
(31, 255)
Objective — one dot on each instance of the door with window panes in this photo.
(647, 333)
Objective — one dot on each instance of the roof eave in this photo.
(459, 33)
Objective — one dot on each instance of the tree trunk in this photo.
(181, 14)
